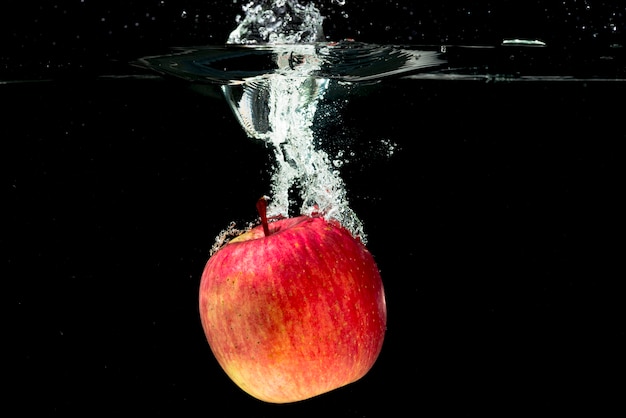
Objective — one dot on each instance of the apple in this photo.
(293, 308)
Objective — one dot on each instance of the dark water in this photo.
(494, 226)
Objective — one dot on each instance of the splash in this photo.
(279, 109)
(278, 21)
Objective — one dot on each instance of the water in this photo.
(506, 261)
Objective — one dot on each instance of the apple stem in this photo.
(261, 207)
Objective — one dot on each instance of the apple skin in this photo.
(294, 314)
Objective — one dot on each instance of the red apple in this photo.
(294, 308)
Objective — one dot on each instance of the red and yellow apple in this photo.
(293, 308)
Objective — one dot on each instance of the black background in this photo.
(495, 222)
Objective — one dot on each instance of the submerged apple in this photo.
(294, 308)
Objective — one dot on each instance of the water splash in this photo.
(278, 21)
(279, 108)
